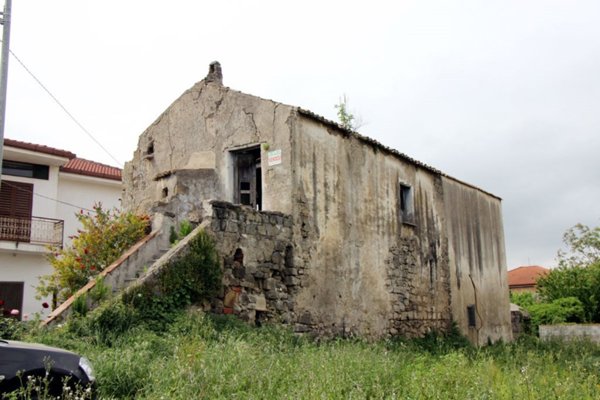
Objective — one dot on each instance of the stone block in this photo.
(273, 230)
(299, 328)
(269, 284)
(271, 295)
(260, 302)
(292, 281)
(277, 258)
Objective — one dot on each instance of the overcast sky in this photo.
(504, 94)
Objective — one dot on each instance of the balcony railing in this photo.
(34, 230)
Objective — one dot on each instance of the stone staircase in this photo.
(121, 274)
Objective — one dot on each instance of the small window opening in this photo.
(471, 316)
(165, 192)
(239, 256)
(150, 149)
(406, 204)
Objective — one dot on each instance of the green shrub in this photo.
(103, 237)
(562, 310)
(523, 299)
(11, 328)
(185, 228)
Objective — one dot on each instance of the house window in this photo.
(26, 170)
(406, 200)
(16, 200)
(11, 298)
(471, 317)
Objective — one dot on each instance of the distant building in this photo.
(41, 191)
(524, 279)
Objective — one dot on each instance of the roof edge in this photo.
(39, 148)
(381, 147)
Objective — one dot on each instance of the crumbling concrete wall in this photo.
(184, 156)
(338, 256)
(477, 262)
(369, 273)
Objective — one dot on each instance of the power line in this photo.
(4, 182)
(64, 108)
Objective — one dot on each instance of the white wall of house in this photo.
(84, 191)
(26, 267)
(26, 262)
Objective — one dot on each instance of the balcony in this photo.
(34, 230)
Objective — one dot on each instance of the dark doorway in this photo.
(247, 177)
(11, 298)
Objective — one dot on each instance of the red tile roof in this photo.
(80, 166)
(39, 148)
(526, 276)
(75, 165)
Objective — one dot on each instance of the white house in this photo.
(41, 191)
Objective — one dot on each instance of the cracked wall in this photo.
(184, 156)
(348, 229)
(357, 268)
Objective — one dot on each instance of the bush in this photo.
(563, 310)
(581, 282)
(523, 299)
(11, 328)
(104, 236)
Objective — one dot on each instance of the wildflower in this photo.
(45, 305)
(14, 312)
(93, 268)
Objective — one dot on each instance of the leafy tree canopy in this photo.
(583, 245)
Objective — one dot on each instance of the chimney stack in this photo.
(214, 73)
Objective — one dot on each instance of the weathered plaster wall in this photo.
(184, 156)
(573, 332)
(477, 262)
(364, 271)
(367, 273)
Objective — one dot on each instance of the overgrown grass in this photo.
(209, 357)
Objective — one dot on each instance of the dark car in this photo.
(19, 360)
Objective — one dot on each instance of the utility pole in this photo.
(4, 73)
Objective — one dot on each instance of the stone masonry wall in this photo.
(419, 296)
(260, 277)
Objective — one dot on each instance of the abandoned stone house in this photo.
(318, 226)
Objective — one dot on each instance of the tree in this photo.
(578, 274)
(103, 237)
(347, 118)
(583, 245)
(581, 282)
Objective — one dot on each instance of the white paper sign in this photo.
(274, 157)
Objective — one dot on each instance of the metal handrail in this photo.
(37, 230)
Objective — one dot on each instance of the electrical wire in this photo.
(5, 182)
(64, 108)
